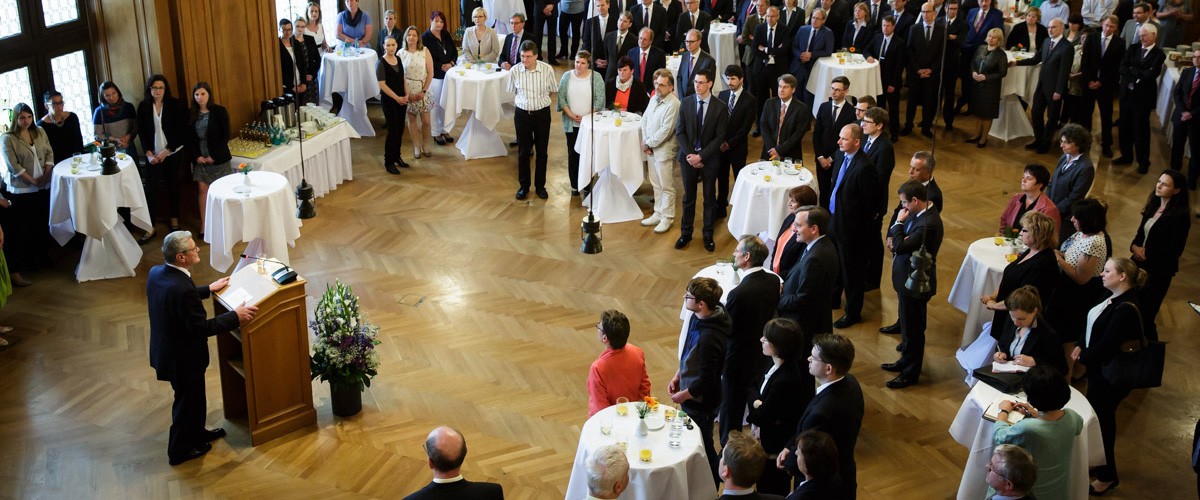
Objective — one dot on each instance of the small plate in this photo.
(655, 424)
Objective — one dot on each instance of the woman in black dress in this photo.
(1028, 339)
(787, 250)
(1113, 320)
(778, 397)
(162, 127)
(444, 53)
(207, 142)
(1029, 35)
(1159, 242)
(1037, 267)
(61, 127)
(988, 68)
(390, 73)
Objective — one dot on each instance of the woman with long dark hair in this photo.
(1159, 242)
(390, 73)
(438, 42)
(115, 119)
(208, 139)
(162, 126)
(28, 163)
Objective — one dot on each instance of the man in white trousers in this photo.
(660, 148)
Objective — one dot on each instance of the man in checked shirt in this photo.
(535, 88)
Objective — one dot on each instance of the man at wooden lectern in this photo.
(179, 331)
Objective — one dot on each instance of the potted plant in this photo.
(344, 353)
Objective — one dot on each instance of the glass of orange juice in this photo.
(1011, 257)
(645, 454)
(622, 406)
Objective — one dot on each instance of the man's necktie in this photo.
(620, 41)
(693, 16)
(732, 100)
(699, 124)
(838, 184)
(645, 15)
(928, 33)
(779, 129)
(1050, 48)
(867, 148)
(1104, 46)
(808, 46)
(714, 4)
(512, 52)
(883, 48)
(979, 20)
(642, 68)
(835, 112)
(1195, 82)
(874, 11)
(770, 38)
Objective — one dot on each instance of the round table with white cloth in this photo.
(482, 91)
(973, 432)
(618, 163)
(671, 473)
(86, 202)
(728, 277)
(722, 45)
(864, 78)
(267, 212)
(1019, 83)
(980, 275)
(327, 159)
(760, 204)
(353, 75)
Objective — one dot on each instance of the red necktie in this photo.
(779, 129)
(642, 68)
(714, 4)
(979, 20)
(1195, 82)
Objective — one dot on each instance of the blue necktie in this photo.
(699, 125)
(838, 184)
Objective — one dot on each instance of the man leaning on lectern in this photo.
(179, 332)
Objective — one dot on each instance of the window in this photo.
(46, 46)
(14, 88)
(9, 25)
(71, 79)
(57, 12)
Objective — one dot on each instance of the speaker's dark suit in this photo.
(806, 298)
(638, 99)
(613, 51)
(658, 22)
(1101, 65)
(1041, 343)
(883, 155)
(179, 332)
(908, 237)
(1139, 88)
(656, 59)
(705, 141)
(788, 140)
(853, 205)
(506, 51)
(838, 411)
(458, 490)
(751, 304)
(683, 79)
(1055, 58)
(821, 46)
(741, 118)
(858, 40)
(684, 23)
(593, 36)
(891, 72)
(763, 73)
(1070, 183)
(924, 54)
(825, 135)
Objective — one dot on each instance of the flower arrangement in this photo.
(1010, 233)
(851, 49)
(648, 405)
(1021, 47)
(244, 169)
(344, 354)
(616, 106)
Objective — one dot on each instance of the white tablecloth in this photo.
(979, 275)
(87, 203)
(484, 92)
(618, 162)
(672, 473)
(727, 277)
(722, 45)
(1165, 106)
(327, 159)
(1020, 82)
(864, 79)
(972, 431)
(354, 77)
(267, 213)
(761, 205)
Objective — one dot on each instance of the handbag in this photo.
(1008, 383)
(1139, 363)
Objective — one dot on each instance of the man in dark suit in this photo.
(751, 304)
(770, 56)
(594, 29)
(618, 43)
(1139, 88)
(980, 20)
(956, 32)
(1073, 175)
(546, 19)
(809, 44)
(784, 121)
(805, 298)
(1055, 58)
(916, 228)
(904, 18)
(837, 409)
(1100, 66)
(852, 206)
(883, 155)
(179, 332)
(889, 50)
(510, 54)
(1186, 121)
(616, 7)
(832, 115)
(742, 108)
(925, 40)
(693, 61)
(607, 472)
(720, 10)
(446, 449)
(650, 14)
(692, 18)
(700, 131)
(646, 59)
(921, 170)
(742, 462)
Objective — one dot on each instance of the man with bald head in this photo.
(446, 449)
(1055, 56)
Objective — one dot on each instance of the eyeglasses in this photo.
(56, 103)
(991, 469)
(688, 296)
(157, 87)
(868, 121)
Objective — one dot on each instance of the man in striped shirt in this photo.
(533, 84)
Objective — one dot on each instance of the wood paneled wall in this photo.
(416, 13)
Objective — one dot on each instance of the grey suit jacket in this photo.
(1056, 67)
(1072, 185)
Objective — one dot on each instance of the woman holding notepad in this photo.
(1047, 431)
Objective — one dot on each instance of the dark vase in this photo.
(347, 402)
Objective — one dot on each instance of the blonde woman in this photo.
(418, 76)
(479, 42)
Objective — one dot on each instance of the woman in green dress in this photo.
(1048, 430)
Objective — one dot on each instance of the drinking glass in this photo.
(622, 406)
(606, 426)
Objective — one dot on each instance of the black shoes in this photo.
(900, 347)
(927, 132)
(196, 452)
(900, 382)
(512, 144)
(522, 193)
(682, 242)
(891, 329)
(907, 131)
(553, 62)
(1099, 493)
(574, 193)
(1107, 152)
(391, 169)
(1143, 168)
(146, 238)
(709, 244)
(437, 139)
(213, 435)
(1123, 160)
(892, 367)
(541, 193)
(1033, 145)
(846, 321)
(973, 140)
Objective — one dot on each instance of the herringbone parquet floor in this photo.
(487, 309)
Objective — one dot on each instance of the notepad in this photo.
(1007, 367)
(992, 412)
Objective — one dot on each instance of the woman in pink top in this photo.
(620, 371)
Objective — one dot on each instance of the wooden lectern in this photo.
(265, 375)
